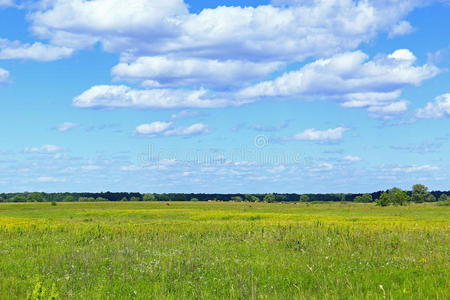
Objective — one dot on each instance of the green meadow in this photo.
(219, 250)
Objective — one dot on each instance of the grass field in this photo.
(224, 251)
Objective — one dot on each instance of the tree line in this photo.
(395, 196)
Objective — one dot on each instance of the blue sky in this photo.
(224, 96)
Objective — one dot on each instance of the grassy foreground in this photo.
(224, 251)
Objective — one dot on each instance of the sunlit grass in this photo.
(224, 250)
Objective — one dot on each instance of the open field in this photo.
(224, 250)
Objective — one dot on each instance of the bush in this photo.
(443, 198)
(398, 197)
(269, 198)
(383, 200)
(68, 198)
(419, 193)
(304, 198)
(365, 198)
(149, 197)
(251, 198)
(236, 199)
(194, 199)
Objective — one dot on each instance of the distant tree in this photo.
(398, 197)
(304, 198)
(19, 198)
(443, 198)
(365, 198)
(91, 199)
(35, 197)
(124, 199)
(194, 199)
(179, 197)
(149, 197)
(134, 199)
(281, 198)
(269, 198)
(69, 198)
(162, 197)
(430, 198)
(236, 198)
(383, 200)
(251, 198)
(419, 193)
(358, 199)
(101, 199)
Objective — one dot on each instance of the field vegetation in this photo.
(218, 250)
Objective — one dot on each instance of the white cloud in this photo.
(111, 96)
(91, 168)
(351, 79)
(402, 55)
(167, 129)
(185, 114)
(36, 51)
(195, 129)
(153, 128)
(347, 77)
(150, 27)
(4, 75)
(402, 28)
(113, 19)
(352, 158)
(415, 168)
(6, 3)
(344, 75)
(66, 126)
(49, 179)
(321, 135)
(161, 71)
(438, 109)
(43, 149)
(388, 111)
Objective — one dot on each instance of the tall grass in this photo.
(224, 250)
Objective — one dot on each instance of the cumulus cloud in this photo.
(416, 168)
(388, 111)
(91, 168)
(244, 33)
(195, 129)
(36, 51)
(153, 128)
(271, 128)
(185, 114)
(66, 126)
(162, 71)
(312, 134)
(350, 78)
(4, 75)
(440, 108)
(167, 129)
(6, 3)
(344, 75)
(43, 149)
(352, 158)
(116, 96)
(49, 179)
(402, 28)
